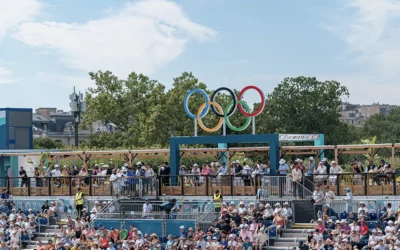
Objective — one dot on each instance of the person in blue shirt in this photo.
(182, 232)
(282, 171)
(131, 179)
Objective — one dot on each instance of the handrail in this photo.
(361, 183)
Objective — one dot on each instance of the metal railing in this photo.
(364, 184)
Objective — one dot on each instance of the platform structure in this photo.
(271, 139)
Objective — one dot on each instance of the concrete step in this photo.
(42, 238)
(278, 248)
(51, 230)
(286, 244)
(294, 230)
(293, 235)
(285, 239)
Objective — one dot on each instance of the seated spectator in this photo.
(389, 214)
(328, 213)
(287, 213)
(384, 173)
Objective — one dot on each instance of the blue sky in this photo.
(47, 47)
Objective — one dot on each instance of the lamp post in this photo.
(78, 106)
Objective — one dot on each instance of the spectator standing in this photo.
(24, 177)
(349, 200)
(310, 166)
(329, 195)
(79, 199)
(335, 169)
(282, 170)
(147, 209)
(318, 200)
(297, 180)
(217, 199)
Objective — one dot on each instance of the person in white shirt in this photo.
(268, 212)
(287, 212)
(362, 211)
(277, 208)
(56, 171)
(242, 208)
(320, 173)
(147, 209)
(354, 226)
(297, 179)
(389, 229)
(329, 196)
(334, 170)
(221, 172)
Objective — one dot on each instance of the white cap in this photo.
(282, 161)
(139, 163)
(30, 209)
(57, 166)
(345, 240)
(324, 159)
(286, 203)
(123, 168)
(390, 222)
(96, 202)
(267, 205)
(330, 220)
(195, 165)
(182, 227)
(319, 219)
(232, 203)
(241, 202)
(237, 162)
(311, 158)
(277, 204)
(333, 162)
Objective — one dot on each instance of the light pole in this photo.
(77, 106)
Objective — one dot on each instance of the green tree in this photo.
(304, 105)
(133, 105)
(386, 128)
(46, 143)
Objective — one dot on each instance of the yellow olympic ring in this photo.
(200, 122)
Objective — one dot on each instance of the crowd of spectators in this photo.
(360, 229)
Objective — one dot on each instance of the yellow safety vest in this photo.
(217, 202)
(79, 200)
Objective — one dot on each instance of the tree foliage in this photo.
(385, 128)
(147, 116)
(46, 143)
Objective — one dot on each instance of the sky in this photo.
(47, 47)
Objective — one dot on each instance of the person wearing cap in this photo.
(282, 171)
(287, 213)
(217, 199)
(302, 246)
(330, 225)
(297, 177)
(326, 164)
(268, 212)
(334, 171)
(320, 173)
(362, 211)
(390, 229)
(328, 213)
(310, 169)
(329, 196)
(320, 225)
(318, 200)
(79, 200)
(349, 200)
(384, 173)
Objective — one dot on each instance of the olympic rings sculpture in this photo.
(223, 114)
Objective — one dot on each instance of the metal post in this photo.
(253, 123)
(224, 127)
(195, 127)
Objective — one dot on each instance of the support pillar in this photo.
(320, 142)
(222, 156)
(274, 155)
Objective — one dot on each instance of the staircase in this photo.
(44, 235)
(289, 239)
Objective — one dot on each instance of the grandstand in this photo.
(272, 211)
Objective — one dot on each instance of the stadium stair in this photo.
(46, 231)
(289, 239)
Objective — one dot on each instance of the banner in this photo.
(298, 137)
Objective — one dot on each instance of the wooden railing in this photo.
(364, 184)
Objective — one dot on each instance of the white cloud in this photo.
(66, 81)
(371, 29)
(14, 12)
(6, 76)
(141, 37)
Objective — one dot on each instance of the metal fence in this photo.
(362, 184)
